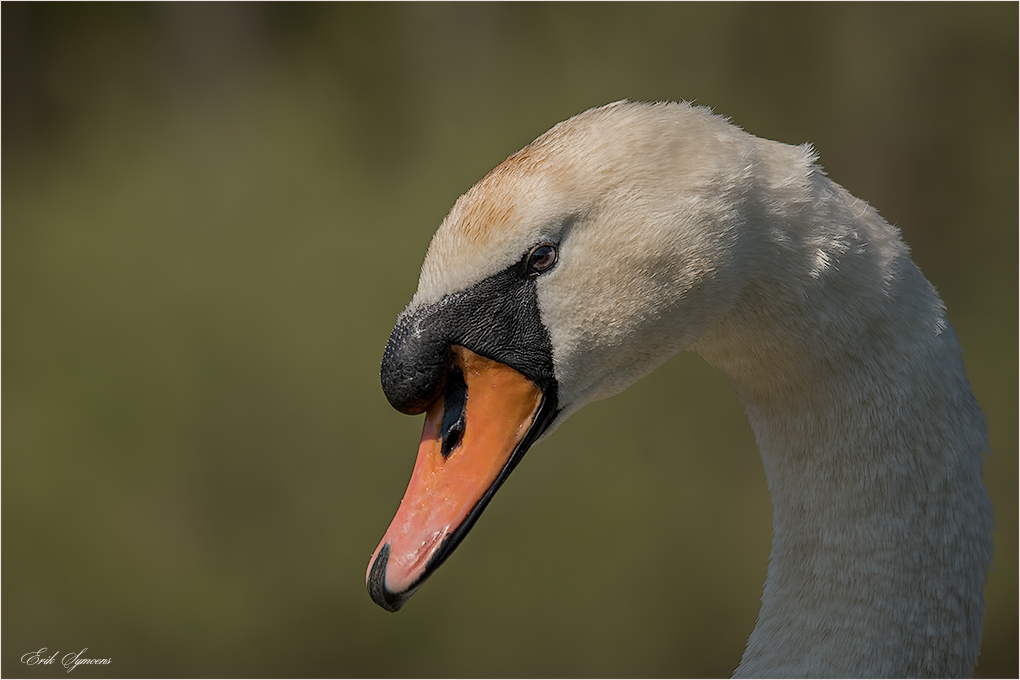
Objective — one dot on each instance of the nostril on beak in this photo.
(454, 411)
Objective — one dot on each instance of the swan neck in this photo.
(881, 523)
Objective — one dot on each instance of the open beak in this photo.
(474, 435)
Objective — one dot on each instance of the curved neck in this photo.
(872, 446)
(881, 530)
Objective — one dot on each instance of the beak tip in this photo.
(381, 595)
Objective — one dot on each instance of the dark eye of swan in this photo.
(541, 259)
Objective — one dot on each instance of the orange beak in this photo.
(474, 435)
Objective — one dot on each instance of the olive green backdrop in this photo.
(212, 215)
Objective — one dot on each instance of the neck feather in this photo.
(881, 526)
(872, 445)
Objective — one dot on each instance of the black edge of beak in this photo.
(381, 595)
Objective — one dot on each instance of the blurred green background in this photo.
(212, 215)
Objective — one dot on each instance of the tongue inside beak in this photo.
(474, 435)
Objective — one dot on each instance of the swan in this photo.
(634, 231)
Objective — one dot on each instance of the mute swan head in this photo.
(632, 232)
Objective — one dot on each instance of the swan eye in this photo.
(541, 259)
